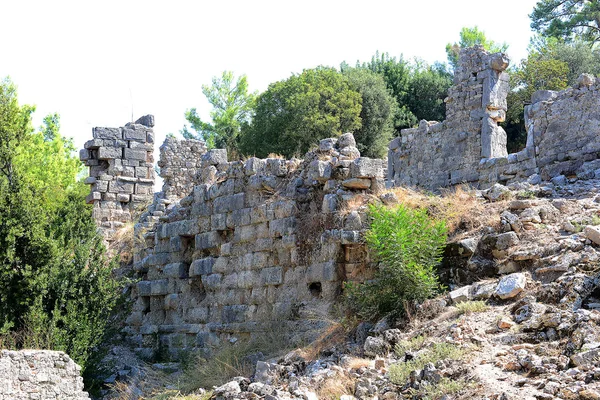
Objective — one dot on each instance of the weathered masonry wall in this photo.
(121, 172)
(39, 374)
(469, 146)
(252, 244)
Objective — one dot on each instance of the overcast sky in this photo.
(93, 62)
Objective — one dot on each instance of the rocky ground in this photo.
(521, 320)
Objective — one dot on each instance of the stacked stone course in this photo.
(469, 146)
(121, 172)
(253, 243)
(39, 374)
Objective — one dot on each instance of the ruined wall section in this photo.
(441, 154)
(564, 127)
(180, 162)
(120, 162)
(253, 243)
(39, 374)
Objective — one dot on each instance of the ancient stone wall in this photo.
(121, 167)
(39, 374)
(469, 146)
(252, 244)
(440, 154)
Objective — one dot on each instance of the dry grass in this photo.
(334, 335)
(470, 307)
(458, 206)
(123, 243)
(275, 155)
(400, 372)
(357, 363)
(332, 388)
(355, 203)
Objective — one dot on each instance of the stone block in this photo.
(592, 233)
(460, 295)
(330, 203)
(207, 240)
(215, 157)
(133, 132)
(365, 167)
(253, 166)
(234, 313)
(346, 140)
(175, 270)
(228, 203)
(319, 170)
(203, 266)
(144, 288)
(107, 133)
(282, 227)
(271, 276)
(510, 286)
(109, 153)
(357, 183)
(134, 154)
(159, 287)
(212, 281)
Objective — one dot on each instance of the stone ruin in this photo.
(228, 250)
(120, 162)
(470, 148)
(39, 374)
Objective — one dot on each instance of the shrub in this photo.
(408, 245)
(400, 372)
(470, 307)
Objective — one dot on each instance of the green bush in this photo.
(408, 245)
(56, 285)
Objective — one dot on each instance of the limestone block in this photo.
(284, 208)
(271, 276)
(234, 313)
(322, 272)
(123, 197)
(319, 170)
(238, 218)
(107, 133)
(212, 281)
(146, 120)
(511, 285)
(229, 203)
(357, 183)
(144, 288)
(345, 140)
(134, 154)
(207, 240)
(365, 167)
(350, 153)
(93, 144)
(586, 357)
(326, 145)
(282, 227)
(218, 221)
(215, 157)
(108, 153)
(592, 233)
(330, 203)
(253, 166)
(159, 287)
(461, 294)
(133, 132)
(172, 301)
(203, 266)
(276, 167)
(175, 270)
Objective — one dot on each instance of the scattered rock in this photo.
(510, 286)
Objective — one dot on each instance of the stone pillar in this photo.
(121, 172)
(495, 90)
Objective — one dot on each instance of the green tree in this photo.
(377, 113)
(56, 285)
(408, 246)
(294, 114)
(396, 73)
(470, 37)
(567, 19)
(428, 87)
(543, 69)
(232, 106)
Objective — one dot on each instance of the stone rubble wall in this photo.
(120, 162)
(441, 154)
(469, 146)
(254, 244)
(39, 374)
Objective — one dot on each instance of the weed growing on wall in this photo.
(408, 245)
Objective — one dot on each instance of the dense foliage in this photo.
(56, 288)
(294, 114)
(567, 19)
(232, 106)
(408, 245)
(377, 114)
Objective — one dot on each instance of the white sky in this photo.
(91, 61)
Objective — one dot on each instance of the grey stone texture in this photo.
(469, 146)
(121, 168)
(228, 249)
(39, 374)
